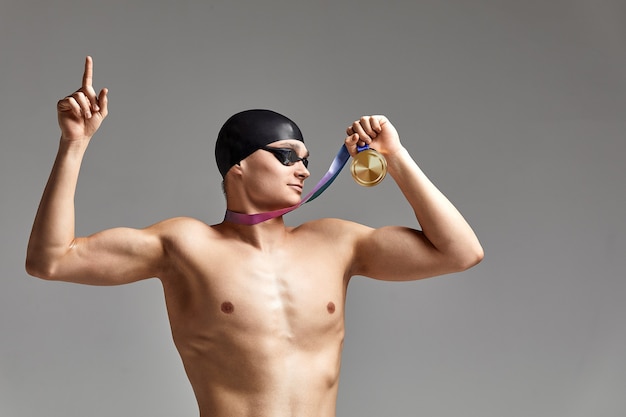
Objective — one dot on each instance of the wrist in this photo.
(73, 146)
(398, 161)
(397, 155)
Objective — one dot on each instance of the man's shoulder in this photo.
(178, 226)
(181, 221)
(331, 227)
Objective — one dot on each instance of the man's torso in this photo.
(260, 331)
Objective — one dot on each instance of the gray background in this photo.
(515, 109)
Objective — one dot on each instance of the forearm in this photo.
(52, 234)
(442, 224)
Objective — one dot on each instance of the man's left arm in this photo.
(446, 242)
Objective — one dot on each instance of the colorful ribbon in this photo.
(335, 168)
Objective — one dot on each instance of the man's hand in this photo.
(81, 113)
(375, 131)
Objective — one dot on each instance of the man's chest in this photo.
(278, 294)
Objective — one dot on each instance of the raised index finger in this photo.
(88, 74)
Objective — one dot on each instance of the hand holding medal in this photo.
(369, 166)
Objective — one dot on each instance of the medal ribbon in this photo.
(335, 168)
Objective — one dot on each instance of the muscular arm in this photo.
(446, 242)
(110, 257)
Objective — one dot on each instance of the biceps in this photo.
(112, 257)
(397, 254)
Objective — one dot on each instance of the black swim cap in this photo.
(249, 130)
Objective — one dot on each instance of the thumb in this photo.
(351, 143)
(103, 102)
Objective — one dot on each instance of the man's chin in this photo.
(286, 203)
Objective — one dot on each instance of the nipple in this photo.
(330, 307)
(227, 307)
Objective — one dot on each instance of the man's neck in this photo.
(265, 235)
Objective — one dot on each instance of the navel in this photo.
(227, 307)
(330, 307)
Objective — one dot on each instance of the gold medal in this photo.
(369, 167)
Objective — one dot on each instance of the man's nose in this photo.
(302, 171)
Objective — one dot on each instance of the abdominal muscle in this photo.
(264, 384)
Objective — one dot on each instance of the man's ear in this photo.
(237, 169)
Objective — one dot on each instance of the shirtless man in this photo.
(257, 311)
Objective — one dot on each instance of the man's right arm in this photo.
(54, 252)
(110, 257)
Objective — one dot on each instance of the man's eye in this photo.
(292, 156)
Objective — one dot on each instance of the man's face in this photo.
(274, 176)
